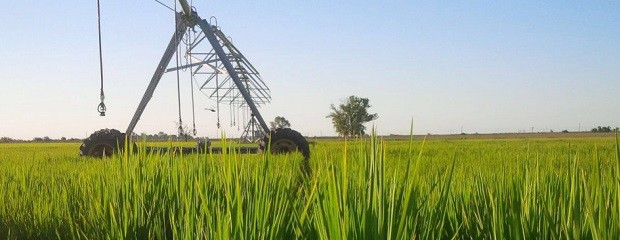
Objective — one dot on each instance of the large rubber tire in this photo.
(286, 140)
(103, 143)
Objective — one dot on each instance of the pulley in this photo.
(101, 108)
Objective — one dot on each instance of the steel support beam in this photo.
(215, 43)
(181, 28)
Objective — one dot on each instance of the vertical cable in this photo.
(217, 95)
(101, 108)
(231, 114)
(191, 81)
(177, 70)
(238, 119)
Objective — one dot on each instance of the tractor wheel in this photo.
(286, 140)
(102, 143)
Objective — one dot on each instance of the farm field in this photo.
(521, 188)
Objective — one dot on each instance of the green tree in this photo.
(279, 122)
(349, 117)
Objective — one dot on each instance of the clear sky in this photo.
(480, 66)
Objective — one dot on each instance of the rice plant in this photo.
(366, 188)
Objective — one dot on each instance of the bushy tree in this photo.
(279, 122)
(349, 117)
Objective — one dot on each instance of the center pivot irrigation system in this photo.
(228, 78)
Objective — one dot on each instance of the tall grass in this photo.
(360, 189)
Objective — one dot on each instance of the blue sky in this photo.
(483, 66)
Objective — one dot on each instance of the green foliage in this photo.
(279, 122)
(349, 117)
(363, 189)
(603, 129)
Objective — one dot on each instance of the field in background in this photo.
(534, 135)
(517, 188)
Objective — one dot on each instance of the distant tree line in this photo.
(161, 136)
(604, 129)
(40, 139)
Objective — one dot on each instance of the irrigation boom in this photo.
(108, 141)
(185, 20)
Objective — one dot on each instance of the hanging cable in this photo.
(238, 119)
(177, 71)
(217, 96)
(231, 114)
(191, 82)
(245, 116)
(232, 111)
(101, 108)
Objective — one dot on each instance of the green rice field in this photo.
(371, 188)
